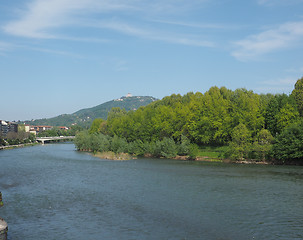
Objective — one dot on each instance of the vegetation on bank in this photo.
(56, 132)
(21, 137)
(16, 138)
(247, 125)
(166, 148)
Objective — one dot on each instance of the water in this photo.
(54, 192)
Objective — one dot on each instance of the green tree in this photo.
(118, 145)
(116, 112)
(241, 141)
(137, 148)
(279, 113)
(286, 116)
(96, 126)
(82, 141)
(263, 144)
(297, 94)
(289, 144)
(184, 146)
(246, 108)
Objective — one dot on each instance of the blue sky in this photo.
(60, 56)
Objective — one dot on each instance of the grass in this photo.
(211, 152)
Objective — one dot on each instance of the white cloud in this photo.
(284, 36)
(42, 18)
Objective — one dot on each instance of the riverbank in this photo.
(18, 146)
(113, 156)
(126, 156)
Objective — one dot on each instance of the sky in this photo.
(60, 56)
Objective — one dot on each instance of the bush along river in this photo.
(54, 192)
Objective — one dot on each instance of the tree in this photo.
(263, 144)
(96, 125)
(240, 143)
(287, 115)
(116, 112)
(279, 113)
(289, 144)
(297, 94)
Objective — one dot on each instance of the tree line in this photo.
(254, 126)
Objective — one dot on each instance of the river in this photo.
(54, 192)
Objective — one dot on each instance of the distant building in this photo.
(6, 127)
(40, 128)
(63, 128)
(129, 95)
(26, 128)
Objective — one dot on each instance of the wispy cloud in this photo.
(54, 52)
(152, 34)
(278, 2)
(284, 36)
(44, 19)
(41, 16)
(284, 85)
(5, 47)
(196, 25)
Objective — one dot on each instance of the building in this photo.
(63, 128)
(40, 128)
(6, 127)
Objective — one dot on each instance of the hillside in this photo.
(84, 117)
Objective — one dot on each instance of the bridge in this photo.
(56, 139)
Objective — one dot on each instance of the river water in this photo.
(54, 192)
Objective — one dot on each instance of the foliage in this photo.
(20, 137)
(240, 144)
(297, 94)
(289, 144)
(184, 146)
(118, 145)
(280, 112)
(96, 125)
(56, 132)
(2, 142)
(263, 144)
(207, 119)
(166, 148)
(137, 148)
(244, 121)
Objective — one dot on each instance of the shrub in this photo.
(118, 145)
(184, 146)
(168, 148)
(137, 148)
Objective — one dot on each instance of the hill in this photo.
(84, 117)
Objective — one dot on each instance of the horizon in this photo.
(124, 96)
(60, 56)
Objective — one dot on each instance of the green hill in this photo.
(85, 117)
